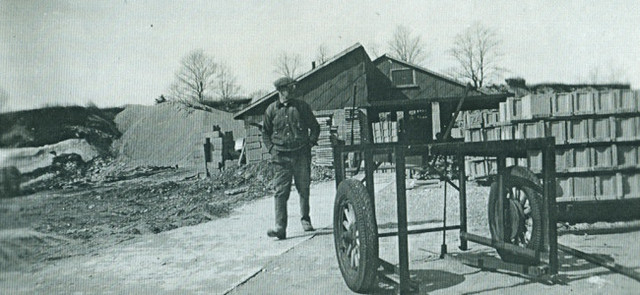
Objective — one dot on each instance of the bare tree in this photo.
(196, 78)
(227, 85)
(287, 64)
(322, 54)
(612, 74)
(373, 48)
(407, 47)
(4, 100)
(478, 56)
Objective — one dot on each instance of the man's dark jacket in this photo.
(289, 126)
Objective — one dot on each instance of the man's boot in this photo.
(306, 224)
(275, 233)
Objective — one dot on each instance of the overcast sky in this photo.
(119, 52)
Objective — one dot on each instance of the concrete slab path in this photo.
(209, 258)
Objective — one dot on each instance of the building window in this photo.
(403, 77)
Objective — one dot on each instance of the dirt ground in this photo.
(70, 210)
(74, 225)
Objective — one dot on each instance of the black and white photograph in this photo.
(319, 147)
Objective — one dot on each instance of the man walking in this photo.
(289, 130)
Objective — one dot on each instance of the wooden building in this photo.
(400, 100)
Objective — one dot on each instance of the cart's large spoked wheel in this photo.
(522, 213)
(355, 234)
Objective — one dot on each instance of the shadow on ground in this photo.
(428, 280)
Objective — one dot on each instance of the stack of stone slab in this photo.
(322, 154)
(218, 147)
(597, 136)
(254, 149)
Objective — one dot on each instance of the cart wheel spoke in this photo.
(355, 236)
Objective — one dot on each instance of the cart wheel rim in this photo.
(349, 237)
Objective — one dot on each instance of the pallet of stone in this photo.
(630, 184)
(534, 161)
(252, 139)
(473, 119)
(476, 168)
(323, 156)
(557, 129)
(601, 129)
(507, 132)
(528, 130)
(601, 186)
(578, 131)
(493, 133)
(253, 145)
(492, 166)
(626, 101)
(502, 113)
(536, 106)
(583, 102)
(584, 188)
(604, 102)
(562, 105)
(604, 158)
(627, 128)
(513, 109)
(490, 118)
(456, 132)
(608, 186)
(626, 155)
(564, 160)
(580, 159)
(475, 135)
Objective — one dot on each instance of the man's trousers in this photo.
(294, 165)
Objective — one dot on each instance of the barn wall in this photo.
(427, 85)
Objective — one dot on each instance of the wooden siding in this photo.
(332, 89)
(428, 86)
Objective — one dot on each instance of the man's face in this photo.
(285, 93)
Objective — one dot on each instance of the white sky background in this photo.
(118, 52)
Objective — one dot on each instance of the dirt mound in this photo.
(168, 134)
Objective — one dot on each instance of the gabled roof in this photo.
(424, 70)
(268, 98)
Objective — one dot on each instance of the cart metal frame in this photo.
(499, 149)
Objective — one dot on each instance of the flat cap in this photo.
(283, 82)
